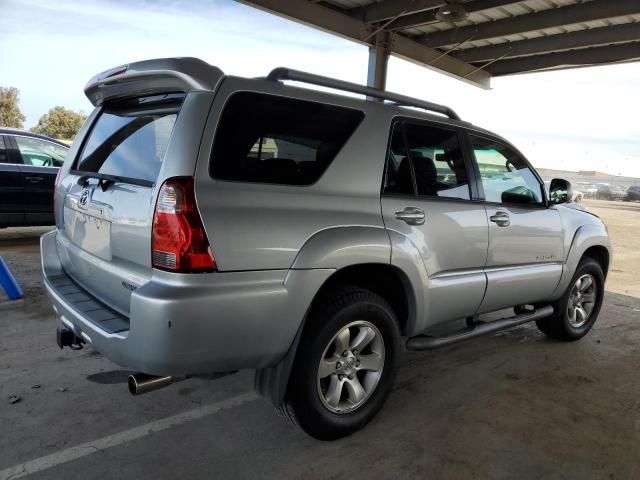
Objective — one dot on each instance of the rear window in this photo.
(269, 139)
(129, 139)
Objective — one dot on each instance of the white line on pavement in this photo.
(82, 450)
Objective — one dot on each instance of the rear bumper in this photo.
(195, 324)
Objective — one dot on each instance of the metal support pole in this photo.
(378, 60)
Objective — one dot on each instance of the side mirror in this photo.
(560, 191)
(519, 196)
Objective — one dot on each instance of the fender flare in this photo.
(585, 237)
(339, 247)
(332, 248)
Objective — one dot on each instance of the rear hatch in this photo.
(109, 193)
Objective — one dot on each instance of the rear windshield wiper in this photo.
(105, 180)
(83, 181)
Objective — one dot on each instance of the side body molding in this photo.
(586, 236)
(340, 247)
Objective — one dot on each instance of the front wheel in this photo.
(345, 366)
(577, 310)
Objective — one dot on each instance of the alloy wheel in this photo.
(350, 367)
(582, 300)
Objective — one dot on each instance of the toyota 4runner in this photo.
(209, 223)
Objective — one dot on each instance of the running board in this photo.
(424, 342)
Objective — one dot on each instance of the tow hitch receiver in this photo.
(66, 338)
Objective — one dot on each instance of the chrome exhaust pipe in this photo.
(140, 383)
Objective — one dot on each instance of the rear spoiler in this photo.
(153, 76)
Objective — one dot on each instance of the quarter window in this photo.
(506, 177)
(426, 161)
(40, 153)
(269, 139)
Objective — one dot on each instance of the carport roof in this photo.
(498, 37)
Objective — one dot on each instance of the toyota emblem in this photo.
(84, 198)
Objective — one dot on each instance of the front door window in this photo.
(506, 177)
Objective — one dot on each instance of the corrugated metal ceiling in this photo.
(498, 37)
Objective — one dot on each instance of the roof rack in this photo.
(283, 73)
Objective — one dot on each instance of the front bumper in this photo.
(194, 324)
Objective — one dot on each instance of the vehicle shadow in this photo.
(494, 407)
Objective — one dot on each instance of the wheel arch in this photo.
(383, 279)
(339, 247)
(600, 254)
(589, 240)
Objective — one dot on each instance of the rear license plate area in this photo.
(90, 233)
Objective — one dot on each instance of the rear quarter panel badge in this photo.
(129, 286)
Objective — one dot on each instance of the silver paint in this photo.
(276, 245)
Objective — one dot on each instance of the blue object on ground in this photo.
(8, 282)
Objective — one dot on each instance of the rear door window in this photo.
(426, 160)
(129, 139)
(270, 139)
(506, 176)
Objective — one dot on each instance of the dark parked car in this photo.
(610, 192)
(633, 193)
(29, 164)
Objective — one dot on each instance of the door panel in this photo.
(533, 236)
(455, 296)
(38, 184)
(524, 261)
(427, 200)
(520, 285)
(40, 160)
(453, 245)
(453, 238)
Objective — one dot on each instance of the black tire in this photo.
(303, 404)
(558, 326)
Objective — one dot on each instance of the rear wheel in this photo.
(345, 366)
(577, 310)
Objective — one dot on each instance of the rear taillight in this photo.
(55, 196)
(178, 240)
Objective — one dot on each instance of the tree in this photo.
(60, 123)
(10, 114)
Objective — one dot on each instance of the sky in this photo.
(580, 119)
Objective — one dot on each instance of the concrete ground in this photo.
(510, 405)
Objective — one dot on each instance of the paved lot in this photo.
(511, 405)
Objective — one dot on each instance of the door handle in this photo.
(34, 179)
(501, 219)
(411, 216)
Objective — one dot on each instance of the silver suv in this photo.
(209, 223)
